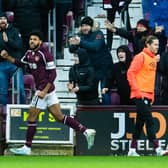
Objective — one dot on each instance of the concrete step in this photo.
(49, 150)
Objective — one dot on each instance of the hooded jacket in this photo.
(117, 77)
(83, 76)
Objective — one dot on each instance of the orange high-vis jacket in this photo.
(141, 75)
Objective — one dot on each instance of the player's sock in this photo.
(134, 143)
(155, 143)
(73, 124)
(30, 133)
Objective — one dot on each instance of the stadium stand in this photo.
(95, 10)
(29, 90)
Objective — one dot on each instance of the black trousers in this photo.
(144, 116)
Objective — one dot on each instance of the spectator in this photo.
(141, 77)
(118, 75)
(137, 37)
(120, 6)
(10, 40)
(40, 61)
(163, 69)
(29, 15)
(63, 8)
(92, 39)
(82, 80)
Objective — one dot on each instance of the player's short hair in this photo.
(37, 33)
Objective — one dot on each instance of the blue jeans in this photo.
(6, 71)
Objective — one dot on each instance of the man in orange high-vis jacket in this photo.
(141, 78)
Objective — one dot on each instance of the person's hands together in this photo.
(4, 54)
(74, 40)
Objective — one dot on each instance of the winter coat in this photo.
(138, 38)
(14, 44)
(117, 77)
(83, 76)
(96, 47)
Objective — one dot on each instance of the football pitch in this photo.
(82, 162)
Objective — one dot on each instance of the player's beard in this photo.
(34, 47)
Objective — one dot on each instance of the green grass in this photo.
(82, 162)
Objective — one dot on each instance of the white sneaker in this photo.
(161, 152)
(132, 152)
(90, 137)
(24, 150)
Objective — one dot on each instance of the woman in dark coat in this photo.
(82, 79)
(118, 75)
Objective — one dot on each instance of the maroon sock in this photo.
(71, 122)
(31, 130)
(134, 143)
(155, 143)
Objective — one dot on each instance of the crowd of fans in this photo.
(94, 64)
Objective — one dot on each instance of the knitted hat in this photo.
(143, 22)
(87, 20)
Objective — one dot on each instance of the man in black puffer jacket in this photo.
(11, 41)
(82, 79)
(29, 15)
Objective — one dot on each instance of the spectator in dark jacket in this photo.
(92, 39)
(82, 80)
(138, 35)
(29, 15)
(63, 8)
(10, 40)
(118, 75)
(163, 69)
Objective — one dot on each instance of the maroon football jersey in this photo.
(41, 65)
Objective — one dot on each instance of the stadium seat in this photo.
(10, 16)
(69, 21)
(115, 98)
(29, 87)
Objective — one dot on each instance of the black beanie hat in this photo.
(2, 14)
(87, 20)
(144, 22)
